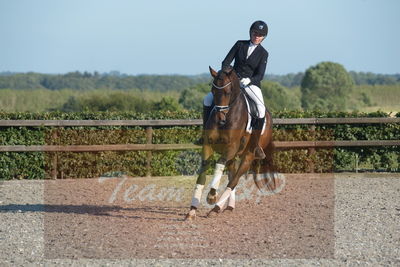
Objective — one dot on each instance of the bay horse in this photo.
(225, 133)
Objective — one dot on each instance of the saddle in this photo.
(251, 105)
(251, 110)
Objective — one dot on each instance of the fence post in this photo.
(149, 140)
(54, 160)
(311, 151)
(356, 162)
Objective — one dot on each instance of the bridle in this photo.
(221, 87)
(223, 109)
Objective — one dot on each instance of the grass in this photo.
(364, 98)
(370, 98)
(41, 100)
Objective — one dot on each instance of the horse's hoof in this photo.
(191, 215)
(229, 208)
(212, 199)
(214, 212)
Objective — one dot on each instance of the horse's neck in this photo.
(238, 105)
(236, 96)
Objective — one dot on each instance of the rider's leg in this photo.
(258, 151)
(207, 108)
(255, 93)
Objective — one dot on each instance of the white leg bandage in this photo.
(219, 169)
(198, 190)
(224, 197)
(232, 198)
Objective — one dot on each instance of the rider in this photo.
(250, 63)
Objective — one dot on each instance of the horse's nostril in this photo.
(222, 122)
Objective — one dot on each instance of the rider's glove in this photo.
(244, 82)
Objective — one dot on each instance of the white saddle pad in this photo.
(248, 125)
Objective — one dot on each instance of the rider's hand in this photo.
(244, 82)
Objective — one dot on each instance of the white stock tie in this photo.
(250, 50)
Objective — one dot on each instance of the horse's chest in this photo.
(219, 137)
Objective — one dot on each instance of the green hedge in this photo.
(37, 165)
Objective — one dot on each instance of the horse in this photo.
(225, 133)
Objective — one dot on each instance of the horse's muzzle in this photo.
(221, 118)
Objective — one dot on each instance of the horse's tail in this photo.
(265, 171)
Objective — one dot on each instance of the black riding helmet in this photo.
(259, 27)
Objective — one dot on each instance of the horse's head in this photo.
(224, 88)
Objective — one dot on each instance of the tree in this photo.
(276, 97)
(192, 98)
(288, 80)
(167, 104)
(71, 105)
(326, 87)
(115, 101)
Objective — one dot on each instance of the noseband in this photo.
(225, 109)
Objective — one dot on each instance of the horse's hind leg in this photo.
(231, 201)
(243, 168)
(232, 198)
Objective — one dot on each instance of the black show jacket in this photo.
(253, 67)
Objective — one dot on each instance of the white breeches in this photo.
(208, 99)
(254, 93)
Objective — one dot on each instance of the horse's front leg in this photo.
(231, 166)
(219, 169)
(207, 152)
(215, 181)
(230, 189)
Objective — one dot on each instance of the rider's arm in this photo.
(230, 56)
(259, 72)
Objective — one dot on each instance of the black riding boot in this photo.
(206, 114)
(257, 129)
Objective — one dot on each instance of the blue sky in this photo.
(185, 37)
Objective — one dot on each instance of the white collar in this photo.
(252, 45)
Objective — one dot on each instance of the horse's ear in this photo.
(213, 72)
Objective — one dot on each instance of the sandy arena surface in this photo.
(315, 219)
